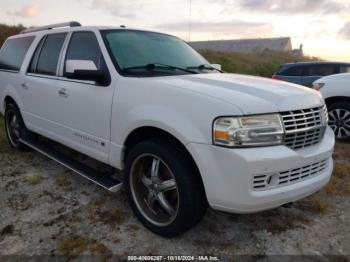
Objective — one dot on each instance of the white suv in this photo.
(184, 133)
(336, 91)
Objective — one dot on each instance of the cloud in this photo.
(344, 32)
(119, 8)
(27, 11)
(288, 6)
(235, 27)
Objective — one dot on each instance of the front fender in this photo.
(179, 126)
(171, 121)
(186, 115)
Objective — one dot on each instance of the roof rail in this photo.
(48, 27)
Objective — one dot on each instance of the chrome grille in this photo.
(304, 127)
(288, 177)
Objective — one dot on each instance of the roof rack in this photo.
(48, 27)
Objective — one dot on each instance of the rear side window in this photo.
(84, 46)
(306, 70)
(322, 70)
(292, 71)
(13, 53)
(45, 59)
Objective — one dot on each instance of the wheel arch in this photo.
(337, 122)
(9, 94)
(9, 99)
(335, 99)
(150, 132)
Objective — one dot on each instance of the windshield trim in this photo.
(122, 72)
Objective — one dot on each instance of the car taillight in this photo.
(277, 77)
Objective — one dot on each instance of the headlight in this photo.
(259, 130)
(317, 86)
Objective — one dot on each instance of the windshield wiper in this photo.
(153, 66)
(204, 67)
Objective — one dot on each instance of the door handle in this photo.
(25, 85)
(63, 92)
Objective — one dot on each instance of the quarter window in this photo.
(345, 69)
(45, 59)
(13, 53)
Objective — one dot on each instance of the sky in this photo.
(322, 26)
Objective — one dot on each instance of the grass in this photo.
(317, 204)
(110, 217)
(342, 151)
(62, 180)
(98, 202)
(340, 181)
(33, 179)
(74, 245)
(320, 205)
(263, 64)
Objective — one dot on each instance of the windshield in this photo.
(141, 53)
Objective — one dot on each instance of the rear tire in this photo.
(156, 165)
(14, 127)
(339, 120)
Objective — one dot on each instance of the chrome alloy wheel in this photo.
(154, 189)
(13, 127)
(339, 121)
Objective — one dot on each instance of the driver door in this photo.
(84, 114)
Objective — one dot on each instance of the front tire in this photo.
(14, 127)
(164, 188)
(339, 120)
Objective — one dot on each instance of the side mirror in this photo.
(216, 66)
(84, 70)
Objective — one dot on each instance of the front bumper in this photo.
(228, 174)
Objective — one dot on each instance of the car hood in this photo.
(253, 95)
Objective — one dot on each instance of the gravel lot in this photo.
(47, 210)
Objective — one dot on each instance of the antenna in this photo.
(190, 22)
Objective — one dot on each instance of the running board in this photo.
(103, 180)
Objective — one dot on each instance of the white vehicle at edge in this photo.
(184, 134)
(335, 90)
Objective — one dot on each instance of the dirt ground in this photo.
(47, 210)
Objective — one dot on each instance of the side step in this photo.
(103, 180)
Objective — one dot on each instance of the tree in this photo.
(7, 30)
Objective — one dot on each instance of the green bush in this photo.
(261, 64)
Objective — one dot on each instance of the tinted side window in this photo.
(47, 60)
(322, 70)
(84, 46)
(306, 70)
(292, 71)
(13, 53)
